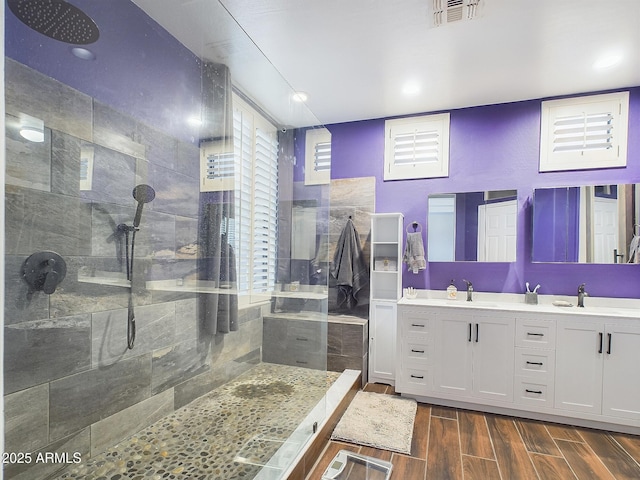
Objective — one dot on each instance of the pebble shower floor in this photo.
(227, 434)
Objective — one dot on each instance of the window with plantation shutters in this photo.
(417, 147)
(584, 132)
(317, 156)
(216, 166)
(255, 148)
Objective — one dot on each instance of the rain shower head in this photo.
(56, 19)
(142, 194)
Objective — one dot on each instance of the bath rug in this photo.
(378, 420)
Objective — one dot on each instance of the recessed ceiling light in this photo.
(411, 88)
(607, 61)
(83, 53)
(300, 97)
(31, 128)
(32, 134)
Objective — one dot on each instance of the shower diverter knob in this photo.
(44, 271)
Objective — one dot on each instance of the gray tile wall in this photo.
(71, 384)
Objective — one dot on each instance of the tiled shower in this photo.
(70, 382)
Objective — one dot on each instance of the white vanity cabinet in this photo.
(475, 355)
(596, 367)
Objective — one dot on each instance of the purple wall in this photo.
(492, 147)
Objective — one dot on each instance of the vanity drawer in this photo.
(535, 363)
(528, 391)
(415, 381)
(416, 352)
(536, 333)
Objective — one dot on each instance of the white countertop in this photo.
(594, 306)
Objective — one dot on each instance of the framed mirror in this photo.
(472, 226)
(586, 224)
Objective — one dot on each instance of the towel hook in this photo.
(416, 226)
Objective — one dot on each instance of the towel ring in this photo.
(416, 226)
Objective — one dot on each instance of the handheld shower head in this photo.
(142, 194)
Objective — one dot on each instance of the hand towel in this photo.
(414, 252)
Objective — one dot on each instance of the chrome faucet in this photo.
(581, 295)
(469, 290)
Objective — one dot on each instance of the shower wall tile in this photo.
(65, 164)
(117, 427)
(20, 304)
(27, 164)
(39, 351)
(61, 107)
(186, 320)
(155, 329)
(114, 176)
(178, 363)
(219, 374)
(167, 269)
(161, 149)
(27, 420)
(36, 221)
(160, 229)
(74, 444)
(116, 131)
(175, 193)
(106, 240)
(186, 237)
(80, 400)
(91, 285)
(229, 347)
(189, 159)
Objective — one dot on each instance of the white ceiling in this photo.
(353, 57)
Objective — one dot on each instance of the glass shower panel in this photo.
(151, 216)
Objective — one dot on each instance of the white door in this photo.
(382, 342)
(497, 231)
(605, 229)
(453, 347)
(493, 358)
(579, 352)
(621, 383)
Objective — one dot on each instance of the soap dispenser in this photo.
(452, 291)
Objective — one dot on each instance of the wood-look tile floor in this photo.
(452, 444)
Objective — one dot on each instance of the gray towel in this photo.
(414, 252)
(349, 268)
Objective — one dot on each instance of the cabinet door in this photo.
(579, 366)
(453, 339)
(382, 342)
(493, 357)
(621, 384)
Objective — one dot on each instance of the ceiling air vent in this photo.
(451, 11)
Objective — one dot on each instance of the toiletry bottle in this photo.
(452, 291)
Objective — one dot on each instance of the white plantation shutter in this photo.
(265, 210)
(417, 147)
(243, 149)
(584, 132)
(256, 197)
(317, 156)
(322, 157)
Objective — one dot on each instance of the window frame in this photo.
(614, 104)
(434, 124)
(313, 138)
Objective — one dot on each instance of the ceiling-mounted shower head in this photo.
(142, 194)
(56, 19)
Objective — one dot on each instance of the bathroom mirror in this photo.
(586, 224)
(472, 226)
